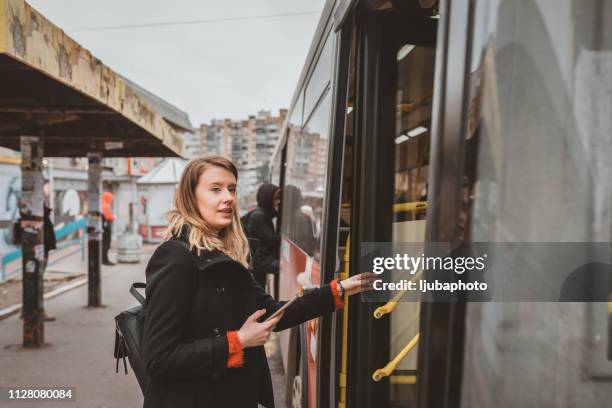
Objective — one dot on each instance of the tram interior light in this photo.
(412, 133)
(417, 131)
(404, 51)
(401, 139)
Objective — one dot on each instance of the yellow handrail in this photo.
(401, 207)
(390, 367)
(413, 206)
(390, 305)
(403, 379)
(344, 363)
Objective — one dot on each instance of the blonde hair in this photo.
(230, 240)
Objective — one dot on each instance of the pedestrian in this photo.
(49, 244)
(107, 226)
(259, 225)
(204, 330)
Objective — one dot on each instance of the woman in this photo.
(204, 330)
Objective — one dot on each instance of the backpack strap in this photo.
(141, 285)
(136, 294)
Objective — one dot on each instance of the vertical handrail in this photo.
(344, 363)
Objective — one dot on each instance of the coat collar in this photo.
(208, 259)
(211, 258)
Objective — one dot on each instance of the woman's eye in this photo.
(216, 189)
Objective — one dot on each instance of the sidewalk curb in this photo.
(11, 310)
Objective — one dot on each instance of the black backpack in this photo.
(129, 326)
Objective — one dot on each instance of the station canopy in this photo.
(169, 171)
(52, 87)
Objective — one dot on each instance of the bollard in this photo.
(130, 242)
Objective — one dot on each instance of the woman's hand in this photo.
(252, 333)
(359, 283)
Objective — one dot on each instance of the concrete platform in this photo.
(79, 350)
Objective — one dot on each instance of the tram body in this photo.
(431, 121)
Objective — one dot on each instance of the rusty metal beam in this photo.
(57, 71)
(54, 111)
(95, 143)
(33, 255)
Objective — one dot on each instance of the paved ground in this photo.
(80, 343)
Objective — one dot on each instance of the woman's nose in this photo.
(228, 197)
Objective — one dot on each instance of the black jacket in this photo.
(191, 303)
(260, 227)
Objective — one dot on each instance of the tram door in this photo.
(415, 59)
(396, 66)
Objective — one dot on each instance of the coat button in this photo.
(217, 332)
(220, 290)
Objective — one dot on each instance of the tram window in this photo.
(305, 180)
(346, 192)
(537, 164)
(320, 77)
(295, 120)
(276, 167)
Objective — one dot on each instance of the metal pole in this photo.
(94, 228)
(33, 253)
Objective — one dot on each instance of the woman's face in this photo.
(216, 197)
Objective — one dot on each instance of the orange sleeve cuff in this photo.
(338, 301)
(235, 357)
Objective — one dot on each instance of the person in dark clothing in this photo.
(260, 226)
(204, 331)
(49, 239)
(107, 226)
(49, 244)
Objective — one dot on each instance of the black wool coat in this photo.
(192, 301)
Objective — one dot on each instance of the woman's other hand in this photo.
(362, 282)
(252, 333)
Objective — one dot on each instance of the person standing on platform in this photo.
(207, 318)
(261, 227)
(107, 226)
(49, 243)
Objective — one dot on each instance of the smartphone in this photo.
(282, 308)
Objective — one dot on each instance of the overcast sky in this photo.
(216, 70)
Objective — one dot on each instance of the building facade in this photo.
(249, 143)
